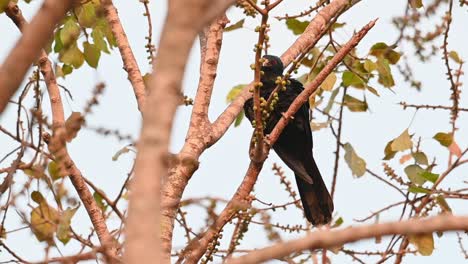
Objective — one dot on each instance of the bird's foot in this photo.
(286, 116)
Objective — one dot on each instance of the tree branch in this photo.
(130, 64)
(333, 238)
(29, 46)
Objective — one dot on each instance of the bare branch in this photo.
(333, 238)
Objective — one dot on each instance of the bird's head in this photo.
(272, 67)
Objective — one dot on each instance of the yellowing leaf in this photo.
(445, 139)
(385, 73)
(70, 32)
(86, 14)
(44, 222)
(72, 56)
(355, 163)
(237, 25)
(389, 153)
(91, 54)
(354, 104)
(55, 171)
(424, 243)
(420, 158)
(443, 204)
(329, 82)
(369, 65)
(63, 228)
(402, 142)
(454, 56)
(351, 79)
(416, 3)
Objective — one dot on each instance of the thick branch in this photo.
(184, 20)
(333, 238)
(29, 46)
(198, 135)
(130, 64)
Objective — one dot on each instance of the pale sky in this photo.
(222, 166)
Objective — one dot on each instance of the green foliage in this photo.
(233, 93)
(297, 27)
(351, 79)
(417, 189)
(414, 174)
(445, 139)
(237, 25)
(420, 158)
(354, 104)
(91, 54)
(355, 163)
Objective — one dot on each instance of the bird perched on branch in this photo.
(294, 145)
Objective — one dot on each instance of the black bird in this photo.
(294, 145)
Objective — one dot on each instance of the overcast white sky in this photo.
(222, 166)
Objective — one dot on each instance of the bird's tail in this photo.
(317, 202)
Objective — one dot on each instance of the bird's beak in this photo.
(266, 63)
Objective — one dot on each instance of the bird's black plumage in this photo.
(294, 145)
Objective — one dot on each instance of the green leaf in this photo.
(63, 228)
(402, 142)
(69, 33)
(54, 171)
(414, 174)
(338, 222)
(389, 153)
(445, 139)
(234, 92)
(369, 65)
(99, 201)
(239, 119)
(432, 177)
(98, 38)
(424, 243)
(58, 42)
(378, 49)
(385, 73)
(454, 56)
(355, 105)
(355, 163)
(67, 69)
(296, 26)
(91, 54)
(351, 79)
(417, 189)
(420, 158)
(329, 82)
(443, 204)
(237, 25)
(72, 56)
(416, 3)
(86, 14)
